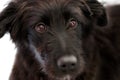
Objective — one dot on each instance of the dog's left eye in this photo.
(72, 24)
(41, 28)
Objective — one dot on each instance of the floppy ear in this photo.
(6, 18)
(96, 11)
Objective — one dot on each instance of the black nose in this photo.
(67, 63)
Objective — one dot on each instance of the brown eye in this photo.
(41, 28)
(72, 24)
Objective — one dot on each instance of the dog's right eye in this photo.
(72, 24)
(41, 28)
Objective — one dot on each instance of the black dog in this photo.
(63, 39)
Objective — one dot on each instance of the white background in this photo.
(7, 48)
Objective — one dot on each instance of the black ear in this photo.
(97, 11)
(6, 18)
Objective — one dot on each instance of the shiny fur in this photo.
(95, 41)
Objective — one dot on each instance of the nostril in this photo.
(67, 63)
(63, 66)
(73, 64)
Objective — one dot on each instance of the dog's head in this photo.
(55, 31)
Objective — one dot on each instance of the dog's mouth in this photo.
(71, 77)
(67, 77)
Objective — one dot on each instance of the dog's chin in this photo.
(66, 77)
(60, 76)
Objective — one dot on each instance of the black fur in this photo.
(42, 32)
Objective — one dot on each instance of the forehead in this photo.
(50, 5)
(35, 9)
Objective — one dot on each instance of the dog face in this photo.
(55, 31)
